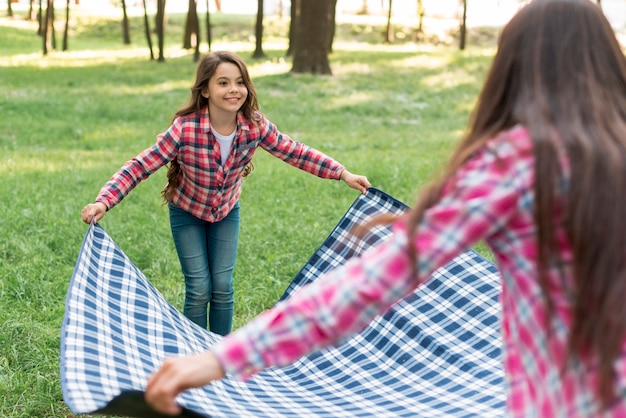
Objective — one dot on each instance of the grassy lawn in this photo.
(73, 118)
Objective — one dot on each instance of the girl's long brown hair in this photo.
(206, 69)
(560, 72)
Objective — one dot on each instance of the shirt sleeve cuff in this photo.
(104, 201)
(339, 171)
(238, 357)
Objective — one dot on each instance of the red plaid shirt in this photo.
(208, 189)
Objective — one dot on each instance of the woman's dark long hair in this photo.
(206, 69)
(560, 72)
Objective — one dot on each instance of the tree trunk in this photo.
(418, 34)
(160, 29)
(67, 26)
(43, 26)
(146, 26)
(420, 16)
(46, 26)
(293, 25)
(599, 2)
(331, 25)
(364, 9)
(125, 28)
(196, 51)
(40, 19)
(258, 31)
(9, 8)
(311, 49)
(389, 36)
(31, 11)
(190, 39)
(208, 25)
(53, 36)
(463, 34)
(188, 32)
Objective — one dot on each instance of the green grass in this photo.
(71, 119)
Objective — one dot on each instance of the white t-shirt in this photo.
(226, 142)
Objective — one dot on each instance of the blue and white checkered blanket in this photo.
(434, 354)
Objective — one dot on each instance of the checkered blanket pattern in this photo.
(434, 354)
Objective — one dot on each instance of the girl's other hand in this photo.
(92, 210)
(355, 181)
(178, 374)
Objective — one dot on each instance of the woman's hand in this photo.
(355, 181)
(178, 374)
(97, 210)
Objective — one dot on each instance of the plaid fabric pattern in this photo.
(436, 353)
(341, 244)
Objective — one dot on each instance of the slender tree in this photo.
(364, 9)
(258, 31)
(311, 49)
(45, 27)
(66, 30)
(280, 9)
(389, 35)
(9, 8)
(40, 18)
(196, 51)
(293, 25)
(125, 24)
(420, 19)
(208, 25)
(191, 25)
(31, 11)
(192, 30)
(463, 33)
(146, 26)
(53, 36)
(160, 29)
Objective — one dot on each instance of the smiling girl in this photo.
(209, 148)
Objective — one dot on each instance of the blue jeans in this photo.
(207, 253)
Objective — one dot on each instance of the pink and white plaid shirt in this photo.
(209, 190)
(491, 198)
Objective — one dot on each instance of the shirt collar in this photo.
(205, 125)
